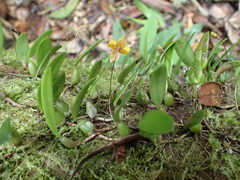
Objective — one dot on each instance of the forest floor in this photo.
(211, 154)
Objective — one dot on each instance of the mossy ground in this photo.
(213, 154)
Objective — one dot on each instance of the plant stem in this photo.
(110, 89)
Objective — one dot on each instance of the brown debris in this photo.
(209, 94)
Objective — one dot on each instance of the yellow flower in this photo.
(119, 46)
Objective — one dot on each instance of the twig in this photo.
(200, 8)
(106, 148)
(15, 104)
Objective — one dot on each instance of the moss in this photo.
(42, 156)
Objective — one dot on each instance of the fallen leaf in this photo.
(131, 11)
(3, 9)
(234, 20)
(233, 33)
(105, 6)
(161, 5)
(221, 10)
(22, 13)
(21, 26)
(209, 94)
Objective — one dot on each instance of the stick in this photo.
(105, 148)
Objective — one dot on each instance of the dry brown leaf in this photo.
(105, 6)
(22, 13)
(221, 10)
(3, 9)
(209, 94)
(234, 20)
(21, 26)
(131, 11)
(161, 5)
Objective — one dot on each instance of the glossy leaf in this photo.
(1, 37)
(36, 43)
(185, 51)
(47, 101)
(201, 58)
(58, 85)
(75, 77)
(91, 110)
(147, 36)
(32, 68)
(118, 31)
(142, 97)
(47, 58)
(56, 63)
(67, 142)
(39, 97)
(95, 70)
(86, 127)
(5, 131)
(65, 11)
(119, 107)
(61, 106)
(79, 99)
(196, 118)
(22, 48)
(84, 53)
(158, 85)
(156, 122)
(44, 47)
(124, 73)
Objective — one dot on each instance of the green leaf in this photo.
(84, 53)
(142, 97)
(119, 107)
(58, 85)
(86, 127)
(118, 31)
(142, 7)
(226, 53)
(95, 70)
(44, 47)
(91, 110)
(39, 97)
(196, 118)
(131, 78)
(47, 101)
(47, 58)
(1, 37)
(158, 85)
(185, 51)
(201, 58)
(65, 11)
(67, 142)
(56, 63)
(79, 99)
(216, 49)
(61, 106)
(147, 36)
(5, 131)
(156, 122)
(32, 67)
(22, 48)
(75, 77)
(35, 45)
(124, 73)
(123, 129)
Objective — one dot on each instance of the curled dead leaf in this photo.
(21, 26)
(209, 94)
